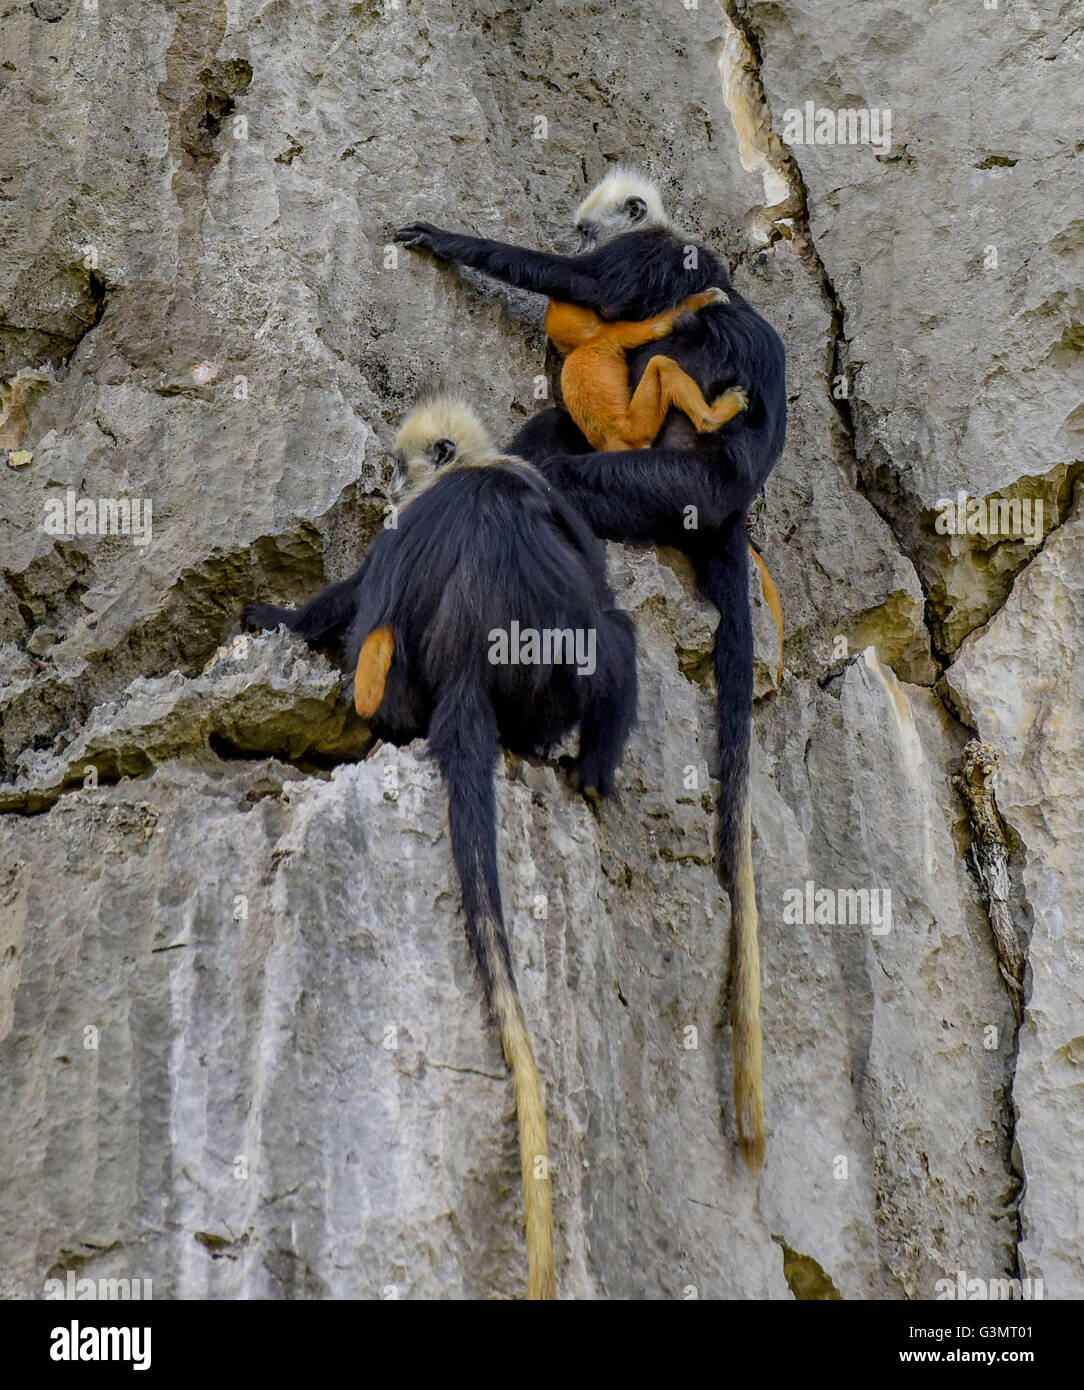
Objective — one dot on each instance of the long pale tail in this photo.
(745, 1002)
(463, 739)
(533, 1153)
(724, 578)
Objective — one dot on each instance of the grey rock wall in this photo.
(243, 1051)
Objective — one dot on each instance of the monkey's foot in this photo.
(705, 299)
(593, 781)
(724, 408)
(374, 662)
(682, 316)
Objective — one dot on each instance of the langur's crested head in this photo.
(441, 430)
(625, 201)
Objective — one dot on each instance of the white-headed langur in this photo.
(485, 552)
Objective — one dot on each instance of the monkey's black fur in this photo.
(486, 544)
(478, 549)
(643, 496)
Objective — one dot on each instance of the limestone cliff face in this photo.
(243, 1051)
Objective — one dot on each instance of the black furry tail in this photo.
(724, 579)
(463, 738)
(723, 573)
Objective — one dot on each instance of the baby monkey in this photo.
(595, 387)
(595, 376)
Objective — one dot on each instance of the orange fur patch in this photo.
(374, 662)
(595, 376)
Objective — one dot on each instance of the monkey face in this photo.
(625, 201)
(400, 478)
(588, 237)
(422, 462)
(610, 221)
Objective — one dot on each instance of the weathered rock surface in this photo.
(954, 259)
(243, 1051)
(258, 695)
(1028, 708)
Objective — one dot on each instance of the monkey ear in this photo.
(442, 452)
(637, 209)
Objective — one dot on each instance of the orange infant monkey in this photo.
(595, 376)
(595, 387)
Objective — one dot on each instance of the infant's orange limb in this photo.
(726, 406)
(665, 384)
(679, 389)
(643, 417)
(595, 387)
(693, 303)
(570, 326)
(771, 598)
(374, 662)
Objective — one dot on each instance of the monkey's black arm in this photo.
(650, 496)
(323, 619)
(560, 277)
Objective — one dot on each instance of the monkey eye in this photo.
(636, 209)
(442, 452)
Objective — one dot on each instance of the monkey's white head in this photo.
(625, 201)
(441, 431)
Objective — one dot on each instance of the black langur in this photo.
(690, 490)
(485, 618)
